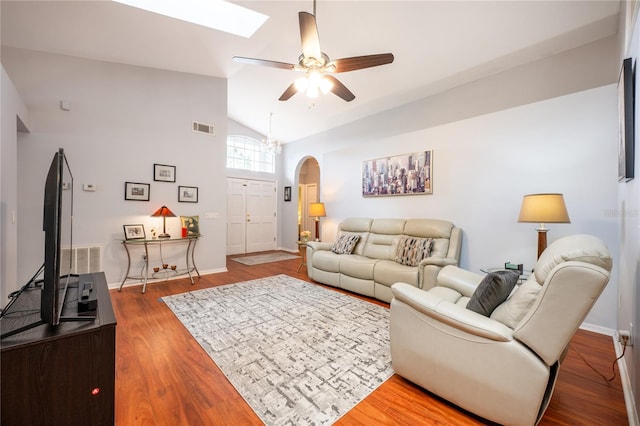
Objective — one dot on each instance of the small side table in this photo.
(524, 275)
(302, 246)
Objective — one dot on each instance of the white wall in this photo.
(526, 130)
(14, 118)
(482, 168)
(123, 119)
(628, 212)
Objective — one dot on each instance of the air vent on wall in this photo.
(83, 260)
(209, 129)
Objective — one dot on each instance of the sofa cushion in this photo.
(381, 246)
(411, 250)
(492, 291)
(438, 230)
(511, 311)
(357, 266)
(345, 244)
(389, 272)
(326, 260)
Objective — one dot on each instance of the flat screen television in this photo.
(57, 224)
(58, 229)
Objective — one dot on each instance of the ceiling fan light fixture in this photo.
(325, 85)
(314, 77)
(301, 84)
(313, 91)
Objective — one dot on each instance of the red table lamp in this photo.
(165, 213)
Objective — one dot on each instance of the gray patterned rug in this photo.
(264, 258)
(299, 354)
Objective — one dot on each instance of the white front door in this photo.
(251, 216)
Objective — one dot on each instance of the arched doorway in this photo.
(308, 192)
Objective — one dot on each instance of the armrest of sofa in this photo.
(458, 279)
(319, 245)
(429, 269)
(433, 304)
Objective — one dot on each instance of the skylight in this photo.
(217, 14)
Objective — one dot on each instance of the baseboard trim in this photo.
(133, 283)
(597, 329)
(627, 389)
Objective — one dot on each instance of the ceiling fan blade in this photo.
(309, 36)
(263, 62)
(291, 90)
(340, 89)
(359, 62)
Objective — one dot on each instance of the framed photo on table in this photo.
(188, 194)
(164, 173)
(136, 191)
(134, 232)
(190, 224)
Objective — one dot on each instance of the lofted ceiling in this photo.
(437, 45)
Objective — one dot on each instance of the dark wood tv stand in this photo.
(63, 375)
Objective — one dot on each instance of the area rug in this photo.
(264, 258)
(299, 354)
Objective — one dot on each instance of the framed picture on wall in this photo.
(287, 193)
(136, 191)
(626, 106)
(406, 174)
(188, 194)
(164, 173)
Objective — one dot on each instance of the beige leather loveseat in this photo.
(372, 267)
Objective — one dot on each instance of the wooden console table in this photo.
(190, 245)
(62, 375)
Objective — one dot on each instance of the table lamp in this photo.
(165, 213)
(543, 208)
(317, 210)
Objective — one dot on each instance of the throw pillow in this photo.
(411, 250)
(345, 244)
(515, 307)
(492, 291)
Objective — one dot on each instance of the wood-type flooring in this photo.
(163, 377)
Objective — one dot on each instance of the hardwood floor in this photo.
(163, 377)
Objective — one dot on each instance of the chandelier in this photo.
(269, 144)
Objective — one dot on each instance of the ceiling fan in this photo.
(316, 64)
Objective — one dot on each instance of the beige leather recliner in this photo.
(502, 367)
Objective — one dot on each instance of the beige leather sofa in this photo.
(371, 269)
(501, 367)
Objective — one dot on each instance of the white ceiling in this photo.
(437, 45)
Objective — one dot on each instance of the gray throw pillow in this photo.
(492, 291)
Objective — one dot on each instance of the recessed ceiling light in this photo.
(217, 14)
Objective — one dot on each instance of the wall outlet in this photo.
(625, 335)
